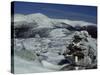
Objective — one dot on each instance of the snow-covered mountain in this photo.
(29, 25)
(40, 43)
(39, 19)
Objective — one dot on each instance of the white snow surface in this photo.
(44, 21)
(23, 66)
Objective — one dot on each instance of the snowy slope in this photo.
(24, 66)
(44, 21)
(38, 23)
(38, 18)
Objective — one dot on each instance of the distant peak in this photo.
(37, 14)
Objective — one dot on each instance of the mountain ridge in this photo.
(41, 24)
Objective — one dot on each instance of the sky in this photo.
(55, 10)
